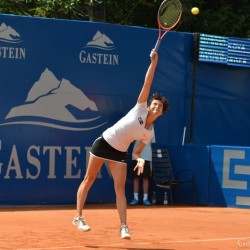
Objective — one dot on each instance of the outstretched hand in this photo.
(139, 166)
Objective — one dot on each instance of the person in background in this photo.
(146, 154)
(112, 147)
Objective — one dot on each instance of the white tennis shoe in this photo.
(81, 224)
(124, 232)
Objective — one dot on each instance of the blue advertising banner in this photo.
(62, 84)
(230, 176)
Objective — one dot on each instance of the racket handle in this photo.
(157, 45)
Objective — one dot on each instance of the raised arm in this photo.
(145, 91)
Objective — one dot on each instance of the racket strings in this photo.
(169, 13)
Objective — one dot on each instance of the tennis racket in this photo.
(169, 14)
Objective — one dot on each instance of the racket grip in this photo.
(157, 45)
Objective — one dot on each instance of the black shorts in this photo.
(102, 149)
(146, 170)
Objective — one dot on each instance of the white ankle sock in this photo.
(136, 196)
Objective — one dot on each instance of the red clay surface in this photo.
(156, 228)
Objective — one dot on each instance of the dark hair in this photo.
(163, 99)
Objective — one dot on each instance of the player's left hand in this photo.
(139, 166)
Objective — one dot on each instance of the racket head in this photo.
(169, 14)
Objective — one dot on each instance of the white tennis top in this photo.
(129, 128)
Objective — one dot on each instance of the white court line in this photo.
(139, 243)
(206, 240)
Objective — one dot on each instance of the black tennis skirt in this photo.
(102, 149)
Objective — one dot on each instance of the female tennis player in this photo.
(112, 146)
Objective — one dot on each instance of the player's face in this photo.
(156, 107)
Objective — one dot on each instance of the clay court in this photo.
(157, 227)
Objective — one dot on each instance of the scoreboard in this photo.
(225, 50)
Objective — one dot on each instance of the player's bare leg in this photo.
(93, 168)
(119, 173)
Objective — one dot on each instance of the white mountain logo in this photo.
(50, 98)
(101, 41)
(8, 34)
(99, 51)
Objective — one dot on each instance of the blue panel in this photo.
(230, 176)
(195, 158)
(222, 105)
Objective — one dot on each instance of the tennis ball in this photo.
(195, 11)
